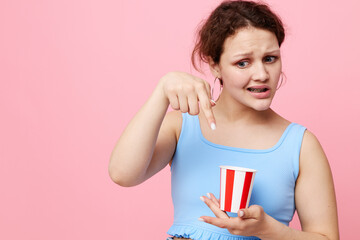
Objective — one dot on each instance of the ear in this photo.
(214, 68)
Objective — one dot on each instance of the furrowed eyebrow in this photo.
(243, 54)
(277, 51)
(273, 52)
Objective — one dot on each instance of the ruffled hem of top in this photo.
(198, 233)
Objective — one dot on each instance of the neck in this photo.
(232, 111)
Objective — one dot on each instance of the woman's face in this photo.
(250, 67)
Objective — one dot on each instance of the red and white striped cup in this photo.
(236, 184)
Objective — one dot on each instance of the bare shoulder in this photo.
(310, 140)
(312, 155)
(311, 148)
(313, 160)
(314, 192)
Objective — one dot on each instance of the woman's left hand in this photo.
(252, 221)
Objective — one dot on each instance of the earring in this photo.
(212, 89)
(281, 80)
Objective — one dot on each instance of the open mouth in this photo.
(257, 90)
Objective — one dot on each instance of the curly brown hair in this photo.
(226, 20)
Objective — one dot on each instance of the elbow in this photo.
(120, 178)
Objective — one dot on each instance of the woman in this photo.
(240, 42)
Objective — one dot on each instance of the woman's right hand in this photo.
(154, 132)
(186, 92)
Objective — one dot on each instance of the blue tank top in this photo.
(195, 171)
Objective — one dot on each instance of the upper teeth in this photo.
(257, 89)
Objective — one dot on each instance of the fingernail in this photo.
(201, 220)
(202, 199)
(213, 126)
(208, 194)
(241, 213)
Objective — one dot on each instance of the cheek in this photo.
(277, 77)
(236, 80)
(278, 70)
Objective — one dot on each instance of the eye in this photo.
(242, 64)
(270, 59)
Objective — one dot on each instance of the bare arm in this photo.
(133, 151)
(148, 142)
(315, 194)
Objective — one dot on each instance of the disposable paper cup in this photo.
(236, 184)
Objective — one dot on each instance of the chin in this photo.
(262, 107)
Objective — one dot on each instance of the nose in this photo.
(260, 73)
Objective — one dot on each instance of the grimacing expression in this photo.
(250, 67)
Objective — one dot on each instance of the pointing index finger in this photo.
(205, 105)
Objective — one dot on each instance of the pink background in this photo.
(73, 73)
